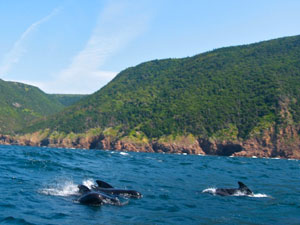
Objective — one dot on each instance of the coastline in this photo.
(284, 144)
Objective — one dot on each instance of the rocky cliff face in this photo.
(284, 143)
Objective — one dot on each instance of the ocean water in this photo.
(39, 186)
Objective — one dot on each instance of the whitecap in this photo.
(124, 153)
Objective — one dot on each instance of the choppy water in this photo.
(37, 186)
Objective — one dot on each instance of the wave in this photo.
(14, 220)
(238, 193)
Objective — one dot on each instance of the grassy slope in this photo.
(234, 90)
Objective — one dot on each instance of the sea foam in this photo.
(65, 188)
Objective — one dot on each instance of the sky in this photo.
(78, 46)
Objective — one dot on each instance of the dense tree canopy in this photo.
(237, 88)
(21, 104)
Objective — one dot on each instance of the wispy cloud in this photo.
(18, 49)
(118, 24)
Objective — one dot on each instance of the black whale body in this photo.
(104, 193)
(96, 198)
(108, 189)
(90, 197)
(242, 189)
(113, 191)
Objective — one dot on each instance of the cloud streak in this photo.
(18, 49)
(117, 25)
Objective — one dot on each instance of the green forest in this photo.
(22, 104)
(231, 92)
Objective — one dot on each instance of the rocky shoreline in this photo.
(271, 144)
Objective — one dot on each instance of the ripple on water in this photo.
(14, 220)
(164, 197)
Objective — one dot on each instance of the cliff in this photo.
(284, 143)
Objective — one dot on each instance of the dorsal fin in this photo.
(83, 189)
(244, 188)
(242, 185)
(103, 184)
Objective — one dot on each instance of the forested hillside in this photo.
(21, 104)
(68, 99)
(227, 93)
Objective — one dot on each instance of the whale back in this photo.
(91, 198)
(123, 192)
(83, 189)
(225, 191)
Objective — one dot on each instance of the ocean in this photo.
(39, 186)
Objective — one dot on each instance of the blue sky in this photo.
(77, 46)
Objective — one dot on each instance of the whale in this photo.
(104, 187)
(91, 197)
(241, 190)
(104, 193)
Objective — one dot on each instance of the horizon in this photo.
(113, 35)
